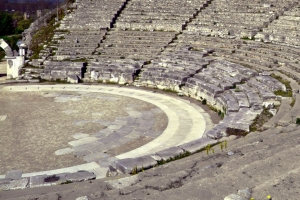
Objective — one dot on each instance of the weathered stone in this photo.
(14, 174)
(169, 153)
(196, 145)
(123, 182)
(46, 180)
(127, 165)
(234, 197)
(14, 184)
(246, 193)
(80, 176)
(82, 198)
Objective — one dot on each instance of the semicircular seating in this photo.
(203, 54)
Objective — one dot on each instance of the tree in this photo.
(22, 25)
(6, 23)
(17, 16)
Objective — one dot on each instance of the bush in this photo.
(298, 121)
(288, 92)
(22, 25)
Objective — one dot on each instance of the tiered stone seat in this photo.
(81, 31)
(240, 110)
(250, 18)
(284, 31)
(167, 15)
(79, 44)
(142, 32)
(133, 44)
(228, 87)
(93, 15)
(79, 34)
(63, 71)
(255, 55)
(122, 71)
(172, 71)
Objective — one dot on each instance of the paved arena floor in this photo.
(40, 130)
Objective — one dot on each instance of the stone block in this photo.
(196, 145)
(234, 197)
(95, 157)
(14, 184)
(72, 78)
(100, 172)
(14, 174)
(82, 198)
(127, 165)
(169, 153)
(4, 183)
(80, 176)
(46, 180)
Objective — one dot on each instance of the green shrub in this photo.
(288, 92)
(298, 121)
(44, 35)
(293, 102)
(169, 90)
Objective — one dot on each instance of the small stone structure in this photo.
(14, 62)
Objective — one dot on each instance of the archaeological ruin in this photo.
(198, 90)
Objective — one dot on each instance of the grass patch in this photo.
(66, 182)
(260, 120)
(220, 113)
(247, 38)
(169, 90)
(44, 35)
(61, 81)
(293, 102)
(237, 132)
(177, 157)
(288, 92)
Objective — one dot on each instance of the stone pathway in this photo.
(185, 124)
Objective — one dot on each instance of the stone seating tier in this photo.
(271, 82)
(62, 71)
(154, 21)
(144, 17)
(289, 55)
(230, 24)
(249, 16)
(141, 33)
(241, 97)
(246, 100)
(155, 14)
(159, 26)
(121, 38)
(226, 32)
(114, 72)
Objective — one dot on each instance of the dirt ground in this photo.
(39, 123)
(3, 71)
